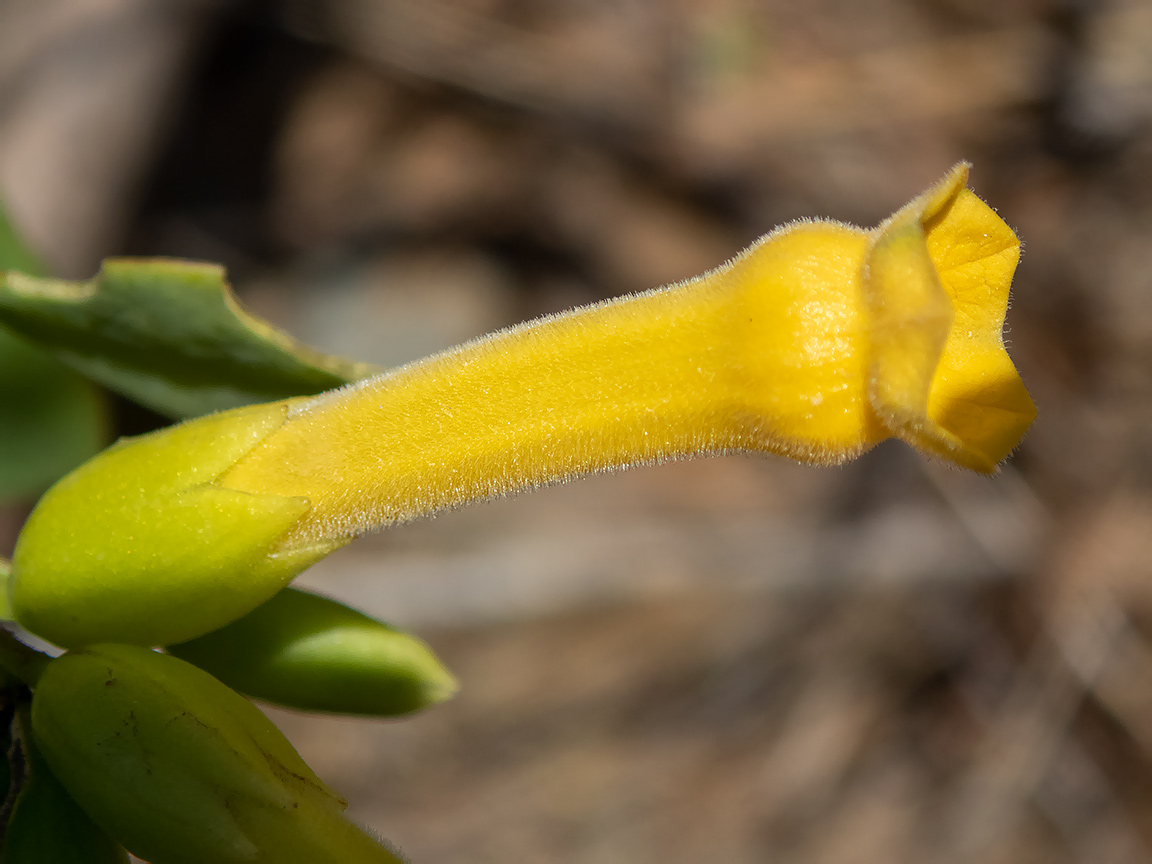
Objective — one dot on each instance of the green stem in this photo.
(24, 662)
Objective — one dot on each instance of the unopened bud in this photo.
(310, 653)
(183, 770)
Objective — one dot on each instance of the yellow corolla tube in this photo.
(815, 343)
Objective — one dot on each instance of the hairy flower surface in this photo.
(815, 343)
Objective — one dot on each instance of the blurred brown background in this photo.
(732, 660)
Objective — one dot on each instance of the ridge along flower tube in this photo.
(817, 342)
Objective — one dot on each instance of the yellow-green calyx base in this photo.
(140, 546)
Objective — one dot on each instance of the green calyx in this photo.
(138, 546)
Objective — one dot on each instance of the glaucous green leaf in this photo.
(14, 252)
(51, 417)
(168, 334)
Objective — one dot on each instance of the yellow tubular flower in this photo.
(817, 342)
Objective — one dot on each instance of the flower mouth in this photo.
(937, 276)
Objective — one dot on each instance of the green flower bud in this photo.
(138, 546)
(47, 826)
(311, 653)
(183, 770)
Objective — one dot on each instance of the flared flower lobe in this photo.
(937, 278)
